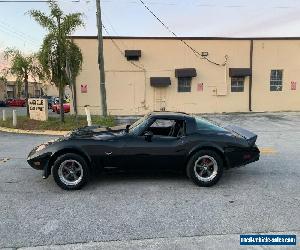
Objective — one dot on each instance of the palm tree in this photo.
(3, 83)
(22, 67)
(60, 58)
(73, 67)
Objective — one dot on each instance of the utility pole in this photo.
(101, 60)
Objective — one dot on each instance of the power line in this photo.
(193, 4)
(196, 53)
(120, 50)
(20, 33)
(168, 29)
(16, 35)
(32, 1)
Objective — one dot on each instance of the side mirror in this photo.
(127, 128)
(148, 136)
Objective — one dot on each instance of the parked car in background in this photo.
(66, 106)
(2, 104)
(51, 100)
(16, 102)
(56, 107)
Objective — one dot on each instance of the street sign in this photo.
(38, 109)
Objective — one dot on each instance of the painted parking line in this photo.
(268, 151)
(3, 160)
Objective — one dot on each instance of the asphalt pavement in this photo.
(156, 211)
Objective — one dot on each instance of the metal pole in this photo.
(250, 77)
(4, 115)
(88, 116)
(15, 118)
(101, 60)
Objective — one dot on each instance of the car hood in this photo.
(97, 132)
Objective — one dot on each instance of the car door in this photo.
(162, 151)
(106, 150)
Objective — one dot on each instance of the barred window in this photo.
(276, 80)
(237, 84)
(184, 84)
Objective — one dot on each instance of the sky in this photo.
(222, 18)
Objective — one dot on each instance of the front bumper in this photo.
(39, 161)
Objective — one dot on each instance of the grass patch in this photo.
(54, 123)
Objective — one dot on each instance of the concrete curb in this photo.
(33, 132)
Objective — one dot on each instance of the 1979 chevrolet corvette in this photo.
(159, 140)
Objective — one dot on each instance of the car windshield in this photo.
(203, 124)
(135, 127)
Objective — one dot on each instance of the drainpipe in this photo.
(250, 77)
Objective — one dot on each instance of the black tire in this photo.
(210, 156)
(79, 161)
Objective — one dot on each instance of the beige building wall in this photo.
(272, 54)
(128, 83)
(50, 90)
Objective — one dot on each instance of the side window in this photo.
(166, 127)
(276, 80)
(237, 84)
(205, 125)
(184, 84)
(162, 123)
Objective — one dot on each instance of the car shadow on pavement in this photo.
(116, 176)
(167, 178)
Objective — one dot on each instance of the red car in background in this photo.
(16, 102)
(56, 107)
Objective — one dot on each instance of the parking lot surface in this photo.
(261, 197)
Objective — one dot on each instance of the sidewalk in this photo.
(210, 242)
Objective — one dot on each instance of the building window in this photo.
(11, 91)
(37, 93)
(184, 84)
(276, 80)
(237, 84)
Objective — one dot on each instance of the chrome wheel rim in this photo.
(70, 172)
(206, 168)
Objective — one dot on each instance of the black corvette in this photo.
(159, 140)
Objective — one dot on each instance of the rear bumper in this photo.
(243, 157)
(255, 157)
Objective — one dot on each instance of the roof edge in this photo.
(186, 38)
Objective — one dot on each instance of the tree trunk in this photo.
(72, 84)
(26, 92)
(74, 96)
(61, 102)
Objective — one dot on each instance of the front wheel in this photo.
(205, 168)
(70, 171)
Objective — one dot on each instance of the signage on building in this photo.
(38, 109)
(200, 87)
(293, 85)
(83, 88)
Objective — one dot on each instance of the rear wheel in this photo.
(205, 168)
(70, 171)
